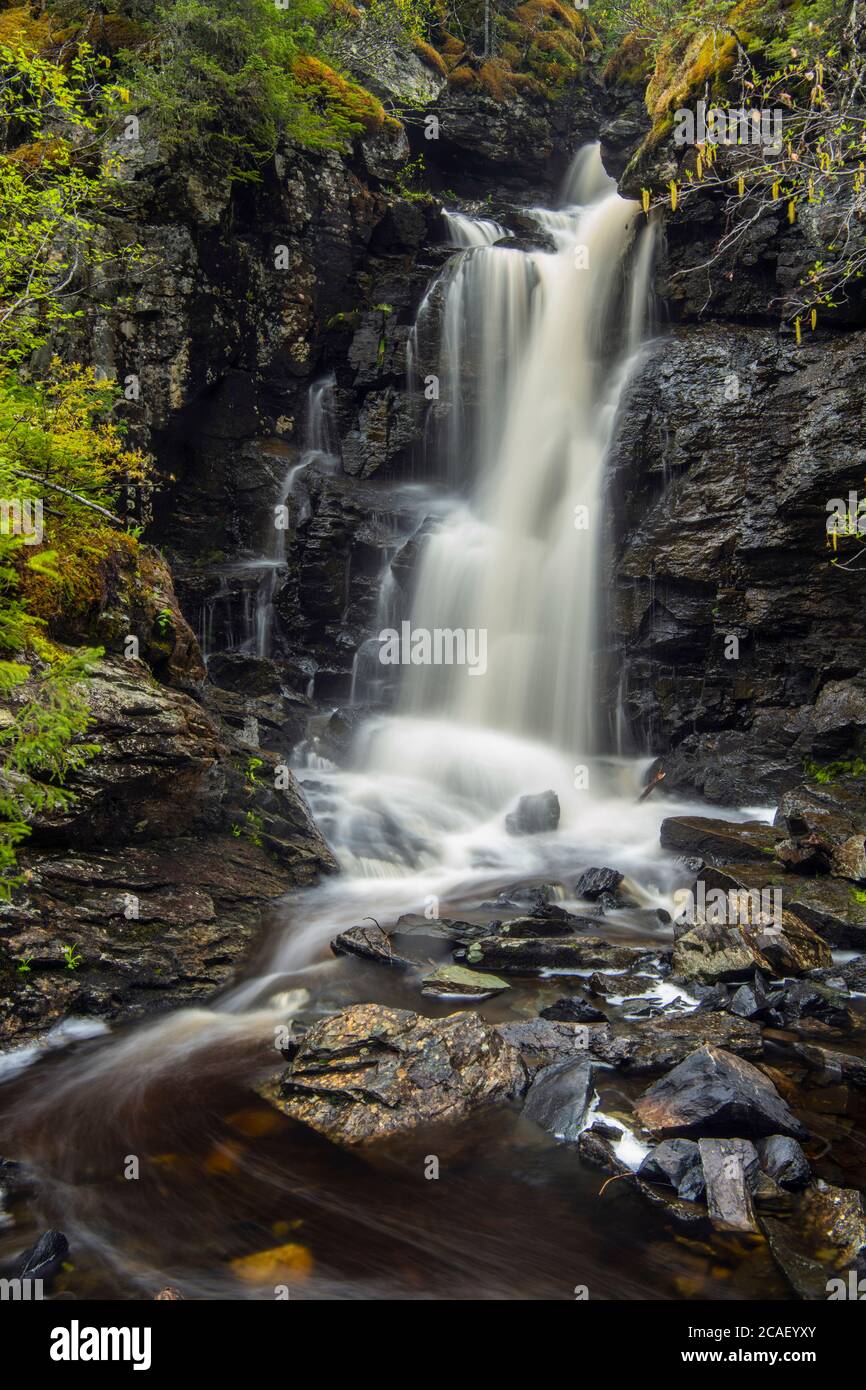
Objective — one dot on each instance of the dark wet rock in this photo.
(687, 573)
(456, 982)
(248, 675)
(829, 906)
(594, 883)
(596, 1149)
(15, 1182)
(538, 897)
(626, 986)
(826, 830)
(676, 1163)
(800, 999)
(851, 976)
(542, 1041)
(372, 1072)
(713, 1092)
(369, 942)
(573, 1009)
(711, 997)
(559, 1097)
(527, 241)
(640, 1045)
(832, 1064)
(543, 924)
(726, 1165)
(535, 814)
(750, 1000)
(750, 932)
(423, 938)
(605, 1130)
(820, 1242)
(160, 871)
(719, 840)
(783, 1160)
(554, 953)
(44, 1259)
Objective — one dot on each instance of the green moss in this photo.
(833, 772)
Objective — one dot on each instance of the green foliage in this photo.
(51, 185)
(223, 81)
(61, 458)
(72, 956)
(806, 60)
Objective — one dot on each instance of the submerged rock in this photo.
(714, 1092)
(44, 1259)
(820, 1243)
(370, 1073)
(534, 814)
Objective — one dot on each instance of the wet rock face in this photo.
(371, 1073)
(159, 872)
(742, 645)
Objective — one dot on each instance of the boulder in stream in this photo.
(559, 1097)
(369, 942)
(534, 815)
(714, 1092)
(370, 1073)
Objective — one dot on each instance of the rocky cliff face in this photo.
(158, 875)
(241, 299)
(737, 646)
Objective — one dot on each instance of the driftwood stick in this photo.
(659, 777)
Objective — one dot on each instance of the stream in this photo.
(535, 348)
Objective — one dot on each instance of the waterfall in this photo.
(534, 350)
(470, 231)
(320, 445)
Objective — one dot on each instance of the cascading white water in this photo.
(321, 444)
(545, 342)
(462, 231)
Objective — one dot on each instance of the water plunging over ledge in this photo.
(533, 350)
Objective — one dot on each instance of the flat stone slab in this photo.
(720, 840)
